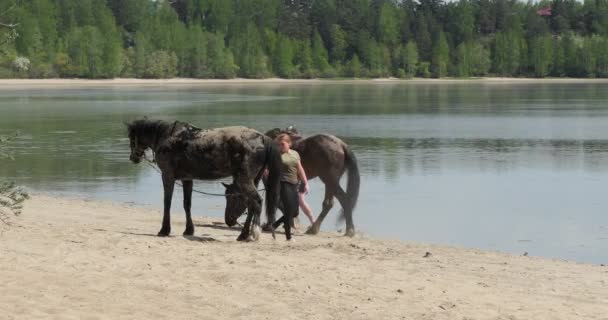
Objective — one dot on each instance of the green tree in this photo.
(161, 64)
(507, 53)
(354, 68)
(463, 60)
(388, 24)
(339, 43)
(408, 59)
(319, 54)
(480, 61)
(220, 57)
(249, 54)
(541, 55)
(304, 60)
(283, 57)
(463, 21)
(441, 56)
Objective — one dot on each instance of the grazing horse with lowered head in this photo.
(327, 157)
(184, 152)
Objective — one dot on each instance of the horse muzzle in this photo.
(230, 221)
(135, 159)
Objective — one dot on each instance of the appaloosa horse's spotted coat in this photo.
(184, 152)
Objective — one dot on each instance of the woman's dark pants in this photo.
(290, 206)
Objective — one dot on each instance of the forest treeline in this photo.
(302, 38)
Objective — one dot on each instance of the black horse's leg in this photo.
(254, 209)
(168, 185)
(255, 206)
(328, 203)
(187, 187)
(245, 231)
(348, 212)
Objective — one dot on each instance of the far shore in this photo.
(4, 83)
(85, 259)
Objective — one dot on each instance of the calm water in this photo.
(515, 168)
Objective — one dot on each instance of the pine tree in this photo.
(339, 44)
(388, 24)
(354, 67)
(283, 56)
(319, 54)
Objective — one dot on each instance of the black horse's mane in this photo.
(153, 127)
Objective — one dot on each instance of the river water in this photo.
(513, 167)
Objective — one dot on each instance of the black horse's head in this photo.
(141, 136)
(236, 203)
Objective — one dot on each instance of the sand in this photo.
(82, 259)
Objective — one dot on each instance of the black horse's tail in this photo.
(352, 185)
(273, 181)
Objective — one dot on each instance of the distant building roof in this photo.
(546, 11)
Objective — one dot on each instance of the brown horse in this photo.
(327, 157)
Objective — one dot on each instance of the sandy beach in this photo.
(16, 83)
(82, 259)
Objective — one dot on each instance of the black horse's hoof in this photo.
(267, 227)
(243, 237)
(164, 233)
(189, 232)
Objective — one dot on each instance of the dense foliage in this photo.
(306, 38)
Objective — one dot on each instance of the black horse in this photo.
(184, 152)
(327, 157)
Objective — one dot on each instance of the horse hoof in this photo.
(163, 233)
(189, 232)
(242, 237)
(312, 231)
(350, 233)
(257, 231)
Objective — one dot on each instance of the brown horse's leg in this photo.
(187, 187)
(348, 212)
(168, 185)
(328, 203)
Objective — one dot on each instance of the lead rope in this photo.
(152, 163)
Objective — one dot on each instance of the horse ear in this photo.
(225, 185)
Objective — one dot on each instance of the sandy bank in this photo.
(77, 259)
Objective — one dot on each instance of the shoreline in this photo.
(82, 258)
(242, 81)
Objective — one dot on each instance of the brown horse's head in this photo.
(291, 131)
(236, 203)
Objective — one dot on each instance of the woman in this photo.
(292, 174)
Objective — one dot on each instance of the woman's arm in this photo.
(302, 176)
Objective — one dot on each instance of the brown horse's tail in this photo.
(273, 181)
(352, 187)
